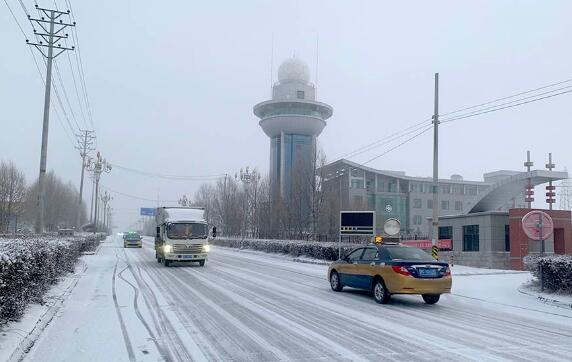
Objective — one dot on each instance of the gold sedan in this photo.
(391, 269)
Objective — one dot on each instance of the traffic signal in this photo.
(214, 231)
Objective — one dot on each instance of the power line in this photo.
(66, 95)
(507, 97)
(399, 145)
(15, 19)
(505, 107)
(170, 177)
(387, 139)
(79, 61)
(133, 196)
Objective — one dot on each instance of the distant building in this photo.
(393, 194)
(293, 119)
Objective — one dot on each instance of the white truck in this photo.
(181, 235)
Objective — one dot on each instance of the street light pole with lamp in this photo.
(97, 166)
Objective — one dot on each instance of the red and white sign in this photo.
(427, 244)
(537, 225)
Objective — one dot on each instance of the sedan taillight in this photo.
(401, 270)
(447, 272)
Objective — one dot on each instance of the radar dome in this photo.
(293, 69)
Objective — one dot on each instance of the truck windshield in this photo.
(187, 231)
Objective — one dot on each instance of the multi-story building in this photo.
(393, 194)
(292, 119)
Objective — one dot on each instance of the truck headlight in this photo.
(167, 248)
(206, 248)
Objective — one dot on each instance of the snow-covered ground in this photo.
(255, 306)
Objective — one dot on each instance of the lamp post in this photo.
(98, 166)
(246, 177)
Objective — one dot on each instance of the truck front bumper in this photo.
(186, 257)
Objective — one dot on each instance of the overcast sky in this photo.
(172, 85)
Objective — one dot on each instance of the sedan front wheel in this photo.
(335, 282)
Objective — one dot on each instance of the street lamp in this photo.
(246, 177)
(97, 166)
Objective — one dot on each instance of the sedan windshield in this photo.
(408, 253)
(187, 231)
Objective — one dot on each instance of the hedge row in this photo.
(29, 265)
(316, 250)
(556, 270)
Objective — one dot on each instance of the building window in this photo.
(416, 203)
(417, 220)
(300, 94)
(445, 205)
(471, 238)
(380, 186)
(506, 238)
(458, 205)
(429, 204)
(446, 233)
(413, 187)
(357, 184)
(471, 190)
(458, 189)
(446, 189)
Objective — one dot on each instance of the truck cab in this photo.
(181, 235)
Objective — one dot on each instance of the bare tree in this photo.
(12, 193)
(60, 203)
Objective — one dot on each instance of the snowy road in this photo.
(246, 306)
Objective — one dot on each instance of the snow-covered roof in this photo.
(183, 214)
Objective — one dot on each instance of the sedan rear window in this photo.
(408, 253)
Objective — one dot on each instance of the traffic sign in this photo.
(147, 211)
(392, 227)
(537, 225)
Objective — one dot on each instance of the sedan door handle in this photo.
(372, 263)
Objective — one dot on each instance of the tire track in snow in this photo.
(231, 344)
(160, 346)
(164, 328)
(120, 317)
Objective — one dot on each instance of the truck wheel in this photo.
(166, 262)
(202, 263)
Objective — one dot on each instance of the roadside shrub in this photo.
(556, 271)
(317, 250)
(29, 265)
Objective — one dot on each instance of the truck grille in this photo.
(187, 249)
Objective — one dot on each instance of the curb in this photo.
(552, 302)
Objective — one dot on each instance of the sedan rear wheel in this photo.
(431, 298)
(335, 282)
(380, 293)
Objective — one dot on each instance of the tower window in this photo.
(300, 94)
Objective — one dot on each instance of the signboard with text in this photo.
(357, 223)
(147, 211)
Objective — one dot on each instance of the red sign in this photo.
(537, 225)
(444, 244)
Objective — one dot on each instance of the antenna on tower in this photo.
(317, 52)
(271, 65)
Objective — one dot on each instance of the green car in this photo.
(132, 239)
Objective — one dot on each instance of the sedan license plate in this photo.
(188, 256)
(427, 272)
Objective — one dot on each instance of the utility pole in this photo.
(51, 34)
(85, 146)
(435, 219)
(98, 166)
